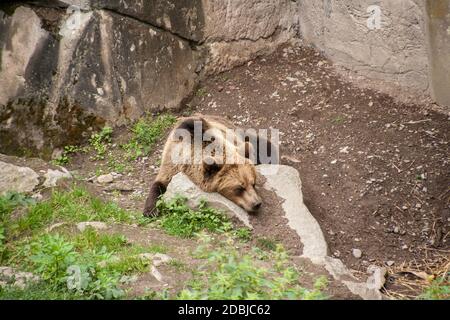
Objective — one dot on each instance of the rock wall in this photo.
(438, 12)
(69, 70)
(395, 53)
(67, 67)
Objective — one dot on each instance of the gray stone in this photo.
(357, 253)
(18, 179)
(285, 182)
(97, 225)
(157, 259)
(377, 277)
(13, 277)
(53, 176)
(105, 178)
(120, 186)
(181, 185)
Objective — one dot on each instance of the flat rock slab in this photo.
(285, 182)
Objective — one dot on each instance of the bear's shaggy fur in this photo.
(235, 181)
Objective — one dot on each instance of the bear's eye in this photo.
(239, 190)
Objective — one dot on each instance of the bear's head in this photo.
(235, 182)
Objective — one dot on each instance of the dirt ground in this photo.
(375, 172)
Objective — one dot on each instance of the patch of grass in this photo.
(91, 239)
(243, 234)
(100, 141)
(266, 243)
(8, 202)
(83, 266)
(117, 166)
(65, 157)
(76, 205)
(201, 92)
(146, 132)
(439, 289)
(37, 291)
(179, 266)
(340, 119)
(230, 275)
(180, 220)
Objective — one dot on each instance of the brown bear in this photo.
(233, 179)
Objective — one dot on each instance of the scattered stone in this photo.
(55, 226)
(53, 176)
(97, 225)
(158, 276)
(37, 197)
(157, 259)
(377, 278)
(119, 186)
(357, 253)
(390, 263)
(105, 179)
(19, 179)
(290, 159)
(20, 279)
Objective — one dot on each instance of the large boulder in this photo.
(64, 74)
(17, 179)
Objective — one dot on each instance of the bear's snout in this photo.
(256, 206)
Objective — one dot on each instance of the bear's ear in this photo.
(211, 167)
(190, 123)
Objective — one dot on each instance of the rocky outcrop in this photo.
(76, 66)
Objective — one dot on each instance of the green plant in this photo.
(266, 243)
(76, 205)
(8, 203)
(243, 234)
(2, 240)
(116, 166)
(338, 120)
(100, 141)
(89, 265)
(229, 274)
(37, 291)
(180, 220)
(51, 255)
(65, 158)
(146, 133)
(439, 289)
(201, 92)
